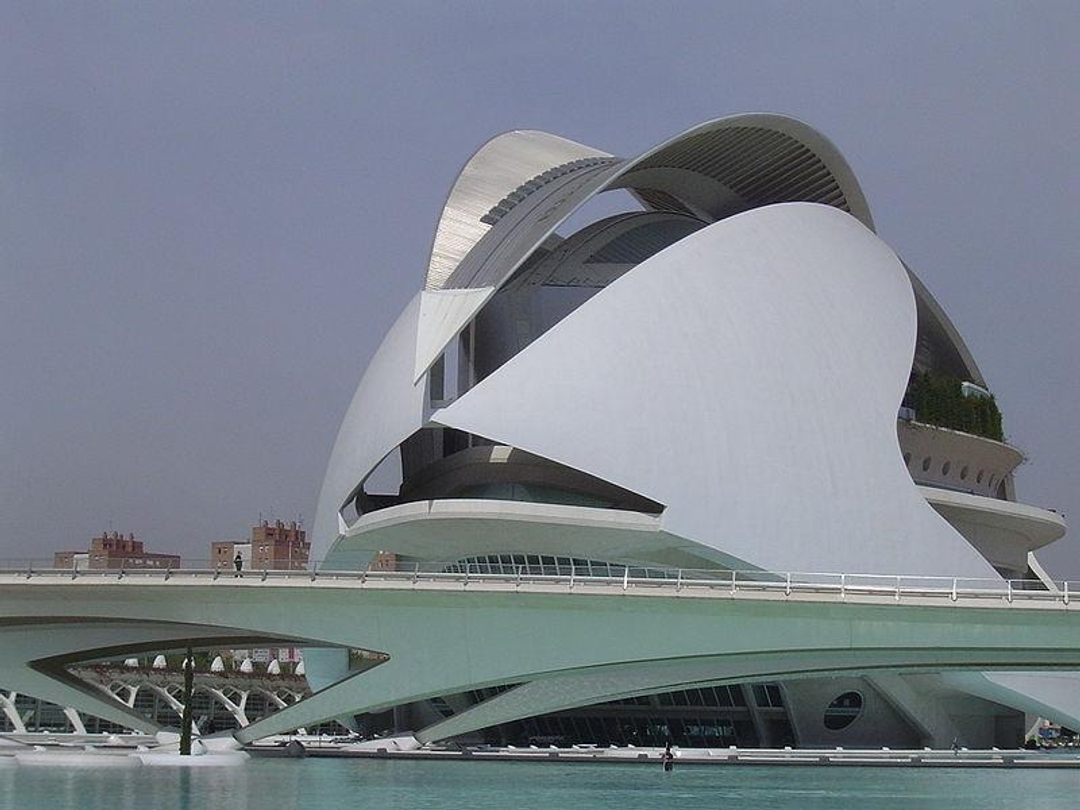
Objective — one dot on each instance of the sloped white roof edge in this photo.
(635, 384)
(386, 409)
(820, 145)
(505, 254)
(497, 168)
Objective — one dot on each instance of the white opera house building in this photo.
(701, 358)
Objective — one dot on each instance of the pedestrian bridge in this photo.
(564, 638)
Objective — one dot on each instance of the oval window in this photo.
(946, 467)
(907, 458)
(926, 463)
(843, 711)
(963, 474)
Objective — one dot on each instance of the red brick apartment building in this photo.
(272, 547)
(114, 551)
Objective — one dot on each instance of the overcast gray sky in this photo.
(209, 216)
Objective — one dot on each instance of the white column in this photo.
(7, 703)
(235, 709)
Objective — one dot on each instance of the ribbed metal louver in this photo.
(762, 166)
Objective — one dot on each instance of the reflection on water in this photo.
(60, 788)
(383, 785)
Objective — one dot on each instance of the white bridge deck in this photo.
(566, 637)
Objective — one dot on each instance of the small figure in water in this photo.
(668, 758)
(238, 562)
(955, 746)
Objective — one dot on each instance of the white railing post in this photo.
(787, 587)
(732, 581)
(1065, 592)
(678, 582)
(1009, 597)
(571, 576)
(843, 586)
(953, 595)
(625, 577)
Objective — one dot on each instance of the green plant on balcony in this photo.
(940, 401)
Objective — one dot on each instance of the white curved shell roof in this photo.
(747, 377)
(521, 186)
(714, 170)
(501, 165)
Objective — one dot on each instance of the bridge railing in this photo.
(582, 578)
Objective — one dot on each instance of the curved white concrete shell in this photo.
(692, 418)
(500, 166)
(388, 407)
(1003, 532)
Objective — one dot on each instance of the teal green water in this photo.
(351, 783)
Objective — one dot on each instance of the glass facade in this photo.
(700, 717)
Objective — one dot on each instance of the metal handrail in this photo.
(576, 579)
